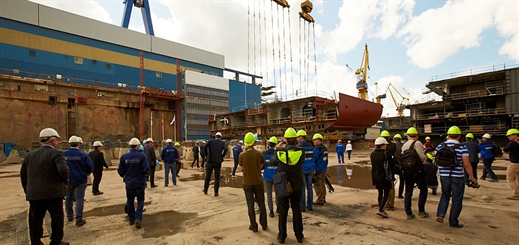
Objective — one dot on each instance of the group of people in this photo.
(415, 164)
(340, 148)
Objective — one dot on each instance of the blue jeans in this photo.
(307, 178)
(132, 192)
(75, 192)
(488, 169)
(269, 185)
(170, 167)
(340, 155)
(421, 182)
(451, 187)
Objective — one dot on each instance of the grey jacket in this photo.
(44, 174)
(149, 151)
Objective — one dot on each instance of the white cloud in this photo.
(88, 8)
(507, 24)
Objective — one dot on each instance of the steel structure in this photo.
(146, 15)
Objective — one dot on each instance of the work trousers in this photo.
(37, 210)
(97, 181)
(254, 193)
(152, 174)
(320, 188)
(195, 160)
(212, 166)
(293, 201)
(269, 186)
(75, 192)
(420, 180)
(512, 176)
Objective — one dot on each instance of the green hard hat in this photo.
(384, 133)
(470, 136)
(512, 131)
(454, 130)
(274, 140)
(429, 155)
(301, 133)
(249, 139)
(177, 144)
(290, 133)
(427, 138)
(397, 136)
(317, 136)
(412, 131)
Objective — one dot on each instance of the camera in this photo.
(473, 185)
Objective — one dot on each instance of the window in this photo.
(32, 53)
(78, 60)
(94, 62)
(158, 74)
(108, 66)
(52, 100)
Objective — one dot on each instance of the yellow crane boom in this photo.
(362, 74)
(400, 107)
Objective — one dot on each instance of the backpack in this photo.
(497, 151)
(446, 156)
(410, 160)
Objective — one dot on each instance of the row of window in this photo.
(198, 132)
(197, 122)
(201, 111)
(207, 91)
(207, 101)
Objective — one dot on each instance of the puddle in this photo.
(226, 181)
(363, 162)
(164, 223)
(360, 178)
(109, 210)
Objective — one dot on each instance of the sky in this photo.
(410, 42)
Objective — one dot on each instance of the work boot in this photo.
(138, 224)
(271, 214)
(98, 193)
(80, 222)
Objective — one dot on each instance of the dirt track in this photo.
(182, 214)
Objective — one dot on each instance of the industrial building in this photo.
(85, 77)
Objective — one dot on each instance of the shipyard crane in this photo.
(146, 15)
(362, 74)
(400, 107)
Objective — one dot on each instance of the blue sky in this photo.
(409, 41)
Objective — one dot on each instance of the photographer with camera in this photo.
(452, 178)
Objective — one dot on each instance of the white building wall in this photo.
(205, 80)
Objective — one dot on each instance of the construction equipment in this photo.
(400, 107)
(362, 74)
(146, 15)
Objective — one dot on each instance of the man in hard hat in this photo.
(339, 148)
(416, 177)
(397, 139)
(133, 168)
(391, 147)
(308, 171)
(382, 164)
(290, 161)
(349, 149)
(80, 166)
(203, 153)
(236, 150)
(196, 153)
(98, 159)
(453, 180)
(44, 175)
(428, 146)
(149, 151)
(512, 171)
(170, 156)
(269, 171)
(488, 156)
(252, 161)
(179, 162)
(321, 165)
(216, 151)
(474, 150)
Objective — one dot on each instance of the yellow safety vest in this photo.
(293, 156)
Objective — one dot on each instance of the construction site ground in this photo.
(182, 214)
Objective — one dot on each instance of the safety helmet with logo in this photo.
(134, 142)
(177, 144)
(301, 133)
(397, 136)
(412, 131)
(290, 133)
(249, 139)
(317, 136)
(430, 156)
(73, 139)
(454, 130)
(273, 140)
(512, 131)
(149, 140)
(169, 141)
(98, 143)
(469, 136)
(486, 136)
(385, 133)
(427, 138)
(381, 141)
(48, 133)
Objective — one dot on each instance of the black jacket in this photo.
(473, 149)
(391, 148)
(216, 150)
(378, 173)
(195, 150)
(44, 174)
(99, 160)
(294, 172)
(149, 151)
(202, 150)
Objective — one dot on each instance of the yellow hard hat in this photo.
(274, 140)
(397, 136)
(290, 133)
(412, 131)
(249, 139)
(384, 133)
(454, 130)
(317, 136)
(177, 144)
(301, 133)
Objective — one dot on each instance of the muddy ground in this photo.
(182, 214)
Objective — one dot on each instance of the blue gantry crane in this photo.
(145, 10)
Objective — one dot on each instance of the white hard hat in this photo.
(74, 139)
(80, 140)
(134, 141)
(339, 140)
(49, 132)
(381, 141)
(169, 141)
(98, 143)
(149, 140)
(241, 141)
(218, 134)
(486, 136)
(349, 141)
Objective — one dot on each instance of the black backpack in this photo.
(497, 151)
(410, 160)
(446, 156)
